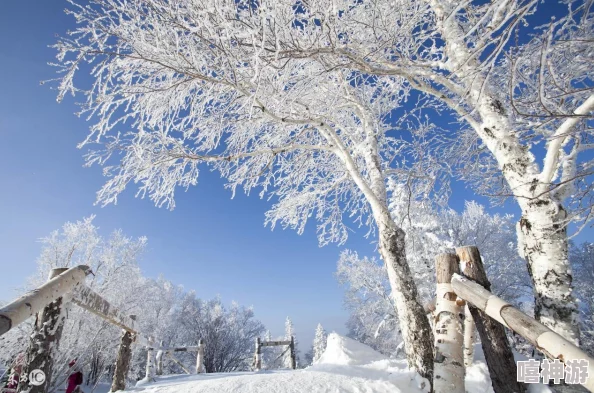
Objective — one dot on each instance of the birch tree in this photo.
(509, 96)
(182, 85)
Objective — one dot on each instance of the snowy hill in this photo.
(346, 366)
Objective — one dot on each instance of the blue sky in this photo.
(209, 243)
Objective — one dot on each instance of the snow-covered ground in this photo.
(345, 367)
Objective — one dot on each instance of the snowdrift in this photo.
(345, 351)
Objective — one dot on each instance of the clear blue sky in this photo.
(209, 243)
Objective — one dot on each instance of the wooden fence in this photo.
(258, 354)
(46, 302)
(464, 300)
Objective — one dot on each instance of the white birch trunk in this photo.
(413, 322)
(544, 245)
(468, 337)
(541, 233)
(414, 325)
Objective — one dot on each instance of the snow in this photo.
(346, 366)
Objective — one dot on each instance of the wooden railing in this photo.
(68, 285)
(461, 280)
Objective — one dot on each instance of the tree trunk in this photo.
(414, 325)
(498, 353)
(449, 363)
(45, 339)
(542, 232)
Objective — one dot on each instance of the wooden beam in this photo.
(498, 352)
(448, 374)
(544, 339)
(86, 298)
(275, 343)
(34, 301)
(179, 363)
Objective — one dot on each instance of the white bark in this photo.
(469, 334)
(200, 357)
(542, 233)
(544, 339)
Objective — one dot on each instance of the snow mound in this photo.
(347, 352)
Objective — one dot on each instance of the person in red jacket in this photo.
(74, 380)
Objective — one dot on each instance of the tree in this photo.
(267, 59)
(582, 263)
(163, 311)
(319, 343)
(177, 85)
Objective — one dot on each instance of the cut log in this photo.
(34, 301)
(498, 352)
(275, 343)
(448, 364)
(180, 364)
(544, 339)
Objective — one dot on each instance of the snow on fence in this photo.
(65, 285)
(258, 355)
(462, 281)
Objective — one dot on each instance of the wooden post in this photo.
(258, 355)
(498, 353)
(150, 363)
(45, 339)
(200, 357)
(544, 339)
(292, 348)
(159, 359)
(34, 301)
(123, 361)
(448, 364)
(468, 337)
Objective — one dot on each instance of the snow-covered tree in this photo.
(177, 87)
(582, 262)
(290, 332)
(163, 310)
(319, 343)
